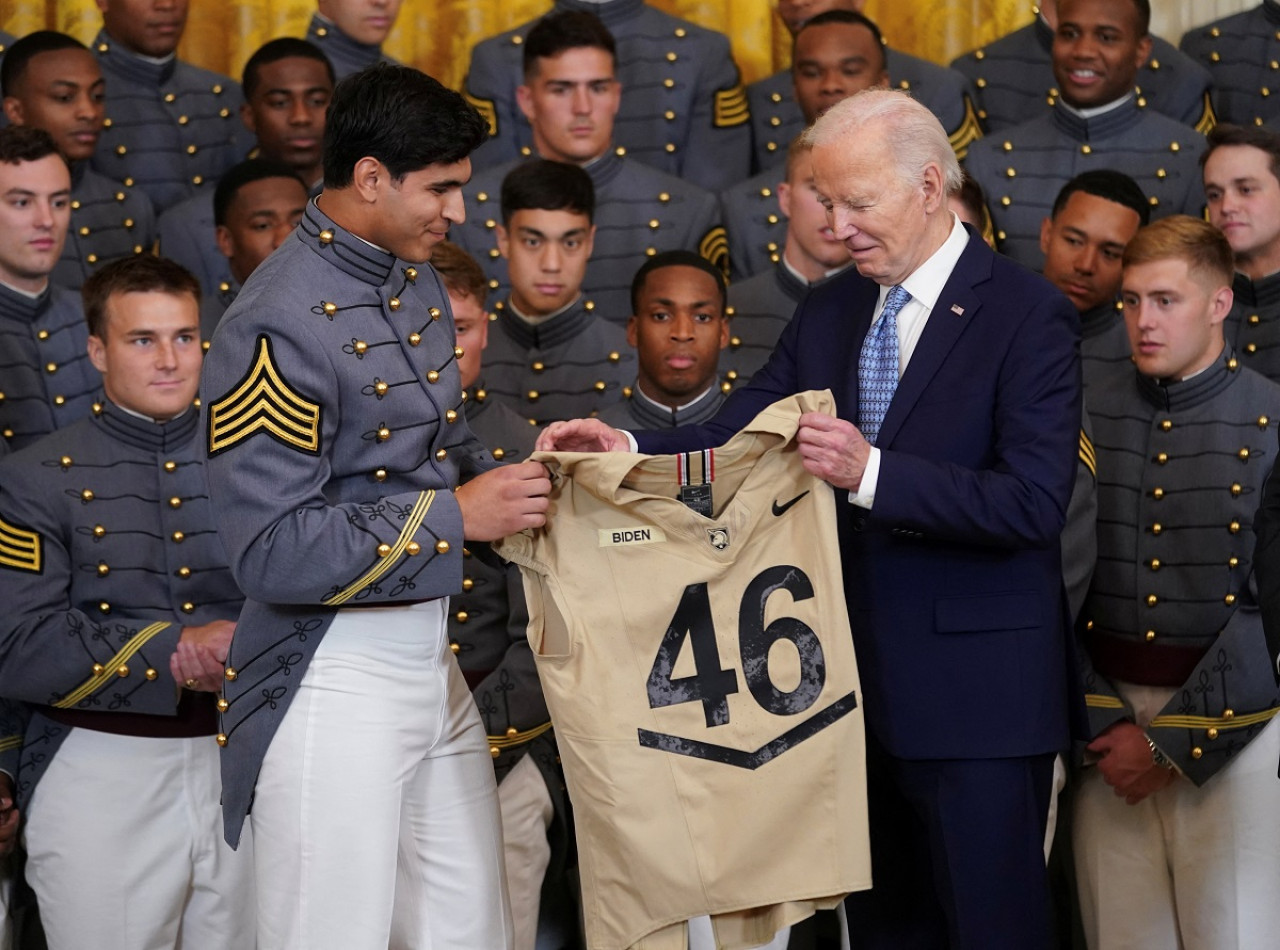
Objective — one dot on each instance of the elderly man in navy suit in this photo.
(957, 384)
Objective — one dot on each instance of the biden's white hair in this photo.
(911, 132)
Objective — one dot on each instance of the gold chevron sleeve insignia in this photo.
(20, 549)
(1087, 454)
(263, 402)
(1208, 118)
(487, 110)
(968, 132)
(714, 246)
(731, 107)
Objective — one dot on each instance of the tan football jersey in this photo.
(702, 681)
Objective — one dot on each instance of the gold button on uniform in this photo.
(415, 339)
(433, 376)
(442, 546)
(461, 616)
(103, 570)
(413, 547)
(1152, 600)
(184, 572)
(441, 455)
(1157, 493)
(380, 387)
(175, 502)
(178, 537)
(360, 346)
(383, 434)
(1151, 635)
(188, 608)
(86, 495)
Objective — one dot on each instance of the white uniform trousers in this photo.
(1188, 868)
(527, 811)
(125, 849)
(375, 816)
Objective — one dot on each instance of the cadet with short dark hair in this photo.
(335, 382)
(52, 82)
(571, 97)
(48, 379)
(1242, 185)
(119, 610)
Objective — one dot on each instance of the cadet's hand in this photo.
(833, 450)
(8, 815)
(200, 658)
(581, 435)
(1126, 764)
(503, 501)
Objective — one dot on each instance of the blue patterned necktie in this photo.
(878, 366)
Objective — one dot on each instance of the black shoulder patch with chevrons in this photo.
(262, 401)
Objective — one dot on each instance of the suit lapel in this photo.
(956, 308)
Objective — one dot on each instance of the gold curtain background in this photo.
(437, 35)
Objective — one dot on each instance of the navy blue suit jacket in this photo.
(953, 577)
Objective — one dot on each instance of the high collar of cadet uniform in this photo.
(325, 35)
(1178, 395)
(1101, 318)
(1109, 123)
(142, 433)
(1264, 292)
(353, 256)
(553, 331)
(794, 285)
(611, 13)
(23, 307)
(653, 415)
(131, 65)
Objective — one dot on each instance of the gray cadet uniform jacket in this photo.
(171, 128)
(1180, 473)
(639, 211)
(1242, 54)
(684, 109)
(1253, 325)
(487, 621)
(335, 438)
(46, 379)
(345, 54)
(108, 221)
(1104, 342)
(636, 413)
(760, 308)
(214, 305)
(1022, 169)
(776, 118)
(567, 366)
(109, 548)
(1015, 83)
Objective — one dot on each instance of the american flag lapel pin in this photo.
(957, 310)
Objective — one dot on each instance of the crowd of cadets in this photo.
(640, 228)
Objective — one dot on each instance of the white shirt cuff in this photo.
(631, 441)
(865, 496)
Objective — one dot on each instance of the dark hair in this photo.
(850, 17)
(975, 201)
(545, 185)
(461, 274)
(17, 56)
(247, 172)
(1265, 140)
(139, 274)
(23, 143)
(1108, 184)
(285, 47)
(563, 30)
(400, 116)
(680, 258)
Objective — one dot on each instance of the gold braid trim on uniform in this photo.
(967, 132)
(263, 402)
(20, 549)
(1208, 118)
(108, 671)
(1087, 454)
(714, 246)
(10, 742)
(486, 109)
(731, 107)
(1101, 701)
(519, 738)
(1215, 722)
(384, 564)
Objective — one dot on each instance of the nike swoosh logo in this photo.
(780, 510)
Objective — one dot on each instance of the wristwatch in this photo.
(1158, 757)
